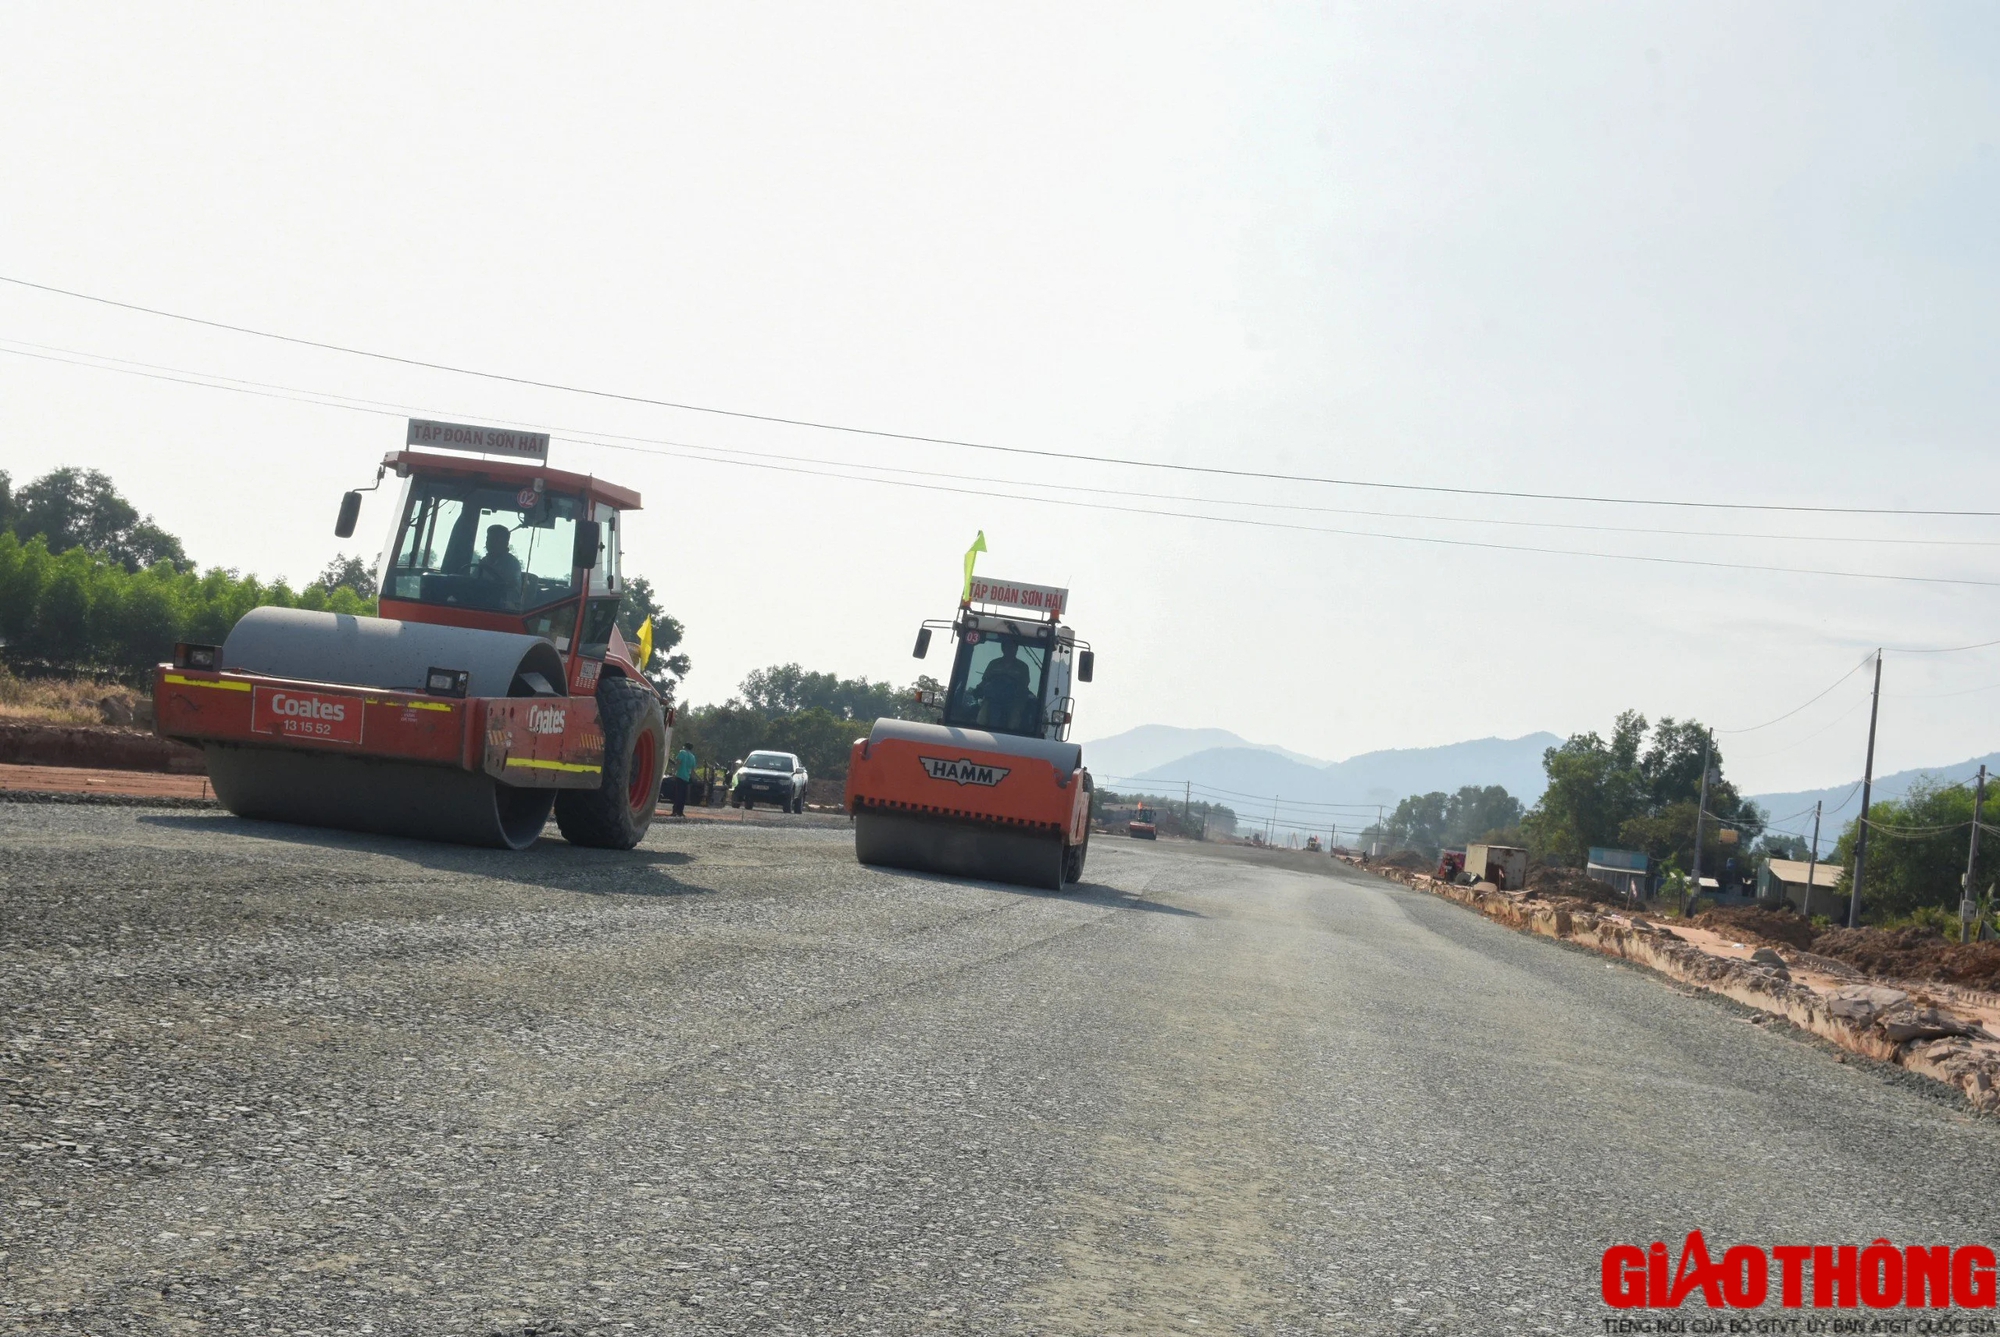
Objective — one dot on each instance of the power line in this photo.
(681, 451)
(958, 443)
(1796, 709)
(616, 441)
(1937, 649)
(601, 440)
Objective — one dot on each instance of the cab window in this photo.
(996, 684)
(483, 546)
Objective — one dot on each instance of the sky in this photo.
(1680, 253)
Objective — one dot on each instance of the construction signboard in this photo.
(481, 440)
(1045, 599)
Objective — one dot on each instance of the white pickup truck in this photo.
(777, 778)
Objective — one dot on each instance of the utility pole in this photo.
(1187, 810)
(1867, 785)
(1812, 865)
(1271, 826)
(1700, 812)
(1972, 860)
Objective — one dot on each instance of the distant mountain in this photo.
(1153, 745)
(1783, 807)
(1246, 777)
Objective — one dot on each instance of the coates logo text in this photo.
(1820, 1276)
(308, 707)
(330, 719)
(545, 719)
(964, 771)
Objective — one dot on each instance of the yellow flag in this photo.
(971, 556)
(645, 644)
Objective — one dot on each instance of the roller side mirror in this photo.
(923, 644)
(589, 542)
(350, 511)
(1086, 664)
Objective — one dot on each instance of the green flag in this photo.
(971, 556)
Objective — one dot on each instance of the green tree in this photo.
(1418, 823)
(1916, 851)
(783, 688)
(1475, 812)
(1430, 822)
(81, 508)
(84, 610)
(348, 573)
(1636, 792)
(820, 738)
(721, 735)
(791, 709)
(667, 667)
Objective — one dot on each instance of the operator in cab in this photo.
(500, 569)
(1004, 692)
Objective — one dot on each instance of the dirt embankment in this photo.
(1898, 953)
(1767, 928)
(1913, 954)
(95, 747)
(1573, 884)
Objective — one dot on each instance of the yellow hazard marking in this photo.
(427, 705)
(179, 681)
(552, 765)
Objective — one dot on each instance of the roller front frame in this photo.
(521, 742)
(942, 807)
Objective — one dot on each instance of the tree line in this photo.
(1640, 789)
(787, 708)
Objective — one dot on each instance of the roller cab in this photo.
(494, 690)
(996, 789)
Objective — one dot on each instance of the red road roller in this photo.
(494, 688)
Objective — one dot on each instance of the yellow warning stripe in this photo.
(552, 765)
(219, 685)
(409, 705)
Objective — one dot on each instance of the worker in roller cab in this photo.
(500, 568)
(1004, 692)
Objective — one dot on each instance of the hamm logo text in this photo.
(964, 771)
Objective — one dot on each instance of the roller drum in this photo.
(959, 849)
(376, 794)
(391, 798)
(387, 653)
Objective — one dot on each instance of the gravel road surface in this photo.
(258, 1079)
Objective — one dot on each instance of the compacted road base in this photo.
(259, 1079)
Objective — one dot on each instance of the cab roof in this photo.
(413, 462)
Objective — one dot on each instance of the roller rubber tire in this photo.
(615, 815)
(1073, 859)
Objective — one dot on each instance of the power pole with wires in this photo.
(1812, 864)
(1700, 812)
(1187, 809)
(1965, 903)
(1867, 785)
